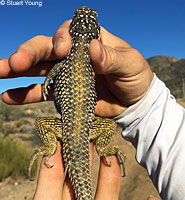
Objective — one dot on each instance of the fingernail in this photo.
(57, 42)
(150, 196)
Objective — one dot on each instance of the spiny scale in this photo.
(75, 100)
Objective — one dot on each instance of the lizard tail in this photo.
(77, 163)
(81, 181)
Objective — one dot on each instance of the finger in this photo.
(30, 58)
(31, 52)
(68, 192)
(125, 67)
(152, 198)
(113, 55)
(100, 50)
(62, 40)
(31, 94)
(41, 69)
(50, 180)
(108, 180)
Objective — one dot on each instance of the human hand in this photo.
(122, 75)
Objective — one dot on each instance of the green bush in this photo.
(14, 159)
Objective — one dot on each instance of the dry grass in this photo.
(14, 159)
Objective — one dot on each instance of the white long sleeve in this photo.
(156, 127)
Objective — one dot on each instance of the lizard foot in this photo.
(38, 152)
(46, 162)
(122, 159)
(42, 151)
(107, 161)
(45, 88)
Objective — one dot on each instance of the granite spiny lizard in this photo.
(75, 100)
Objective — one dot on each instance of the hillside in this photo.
(170, 70)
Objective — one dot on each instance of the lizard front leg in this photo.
(49, 130)
(101, 133)
(51, 75)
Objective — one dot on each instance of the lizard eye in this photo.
(94, 13)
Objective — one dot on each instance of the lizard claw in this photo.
(46, 162)
(45, 88)
(122, 159)
(107, 161)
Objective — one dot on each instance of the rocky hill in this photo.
(170, 70)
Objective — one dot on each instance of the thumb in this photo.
(103, 57)
(117, 60)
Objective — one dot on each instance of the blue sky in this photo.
(153, 27)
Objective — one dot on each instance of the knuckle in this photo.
(39, 37)
(136, 54)
(67, 22)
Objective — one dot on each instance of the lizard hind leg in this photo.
(102, 132)
(48, 129)
(42, 151)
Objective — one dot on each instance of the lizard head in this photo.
(85, 24)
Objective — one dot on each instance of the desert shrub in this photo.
(2, 127)
(5, 111)
(8, 129)
(10, 112)
(18, 113)
(22, 121)
(24, 125)
(14, 159)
